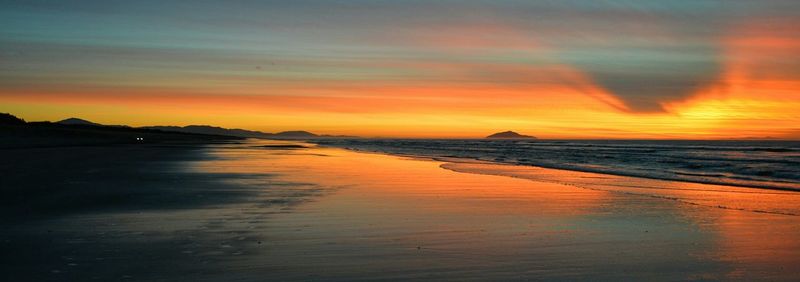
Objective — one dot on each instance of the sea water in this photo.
(762, 164)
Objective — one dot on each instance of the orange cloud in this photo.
(448, 96)
(759, 92)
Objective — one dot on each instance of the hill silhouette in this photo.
(509, 135)
(6, 118)
(214, 130)
(207, 129)
(74, 123)
(16, 133)
(77, 121)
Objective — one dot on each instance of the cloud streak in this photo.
(464, 58)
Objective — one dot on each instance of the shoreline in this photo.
(266, 209)
(627, 191)
(565, 168)
(662, 186)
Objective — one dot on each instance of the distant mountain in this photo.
(193, 129)
(509, 135)
(212, 130)
(76, 130)
(77, 121)
(16, 133)
(10, 119)
(300, 134)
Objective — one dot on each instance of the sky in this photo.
(685, 69)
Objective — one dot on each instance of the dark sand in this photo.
(239, 212)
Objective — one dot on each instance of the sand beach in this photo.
(264, 210)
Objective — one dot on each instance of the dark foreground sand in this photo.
(245, 212)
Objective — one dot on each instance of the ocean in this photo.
(758, 164)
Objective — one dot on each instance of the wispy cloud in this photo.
(620, 59)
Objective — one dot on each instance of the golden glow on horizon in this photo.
(755, 97)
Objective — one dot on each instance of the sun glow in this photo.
(462, 77)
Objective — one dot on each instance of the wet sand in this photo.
(244, 212)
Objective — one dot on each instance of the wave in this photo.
(757, 164)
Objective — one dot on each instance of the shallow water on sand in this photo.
(321, 213)
(387, 217)
(755, 163)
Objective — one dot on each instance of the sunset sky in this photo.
(555, 69)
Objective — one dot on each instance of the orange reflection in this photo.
(563, 222)
(403, 180)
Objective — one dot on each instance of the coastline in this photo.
(787, 186)
(659, 188)
(281, 210)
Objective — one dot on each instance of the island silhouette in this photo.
(509, 135)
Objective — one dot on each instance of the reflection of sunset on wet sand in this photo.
(428, 221)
